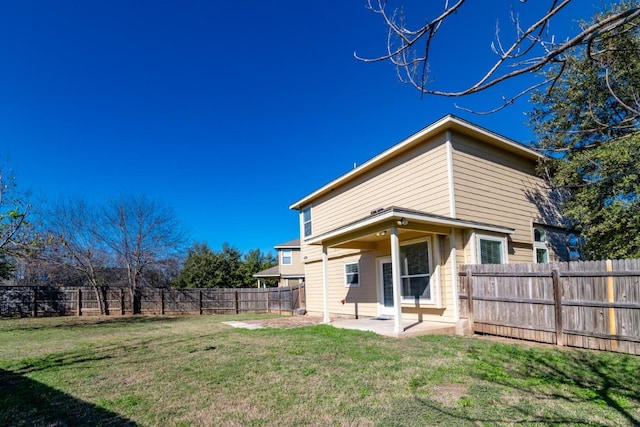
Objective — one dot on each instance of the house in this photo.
(289, 271)
(387, 238)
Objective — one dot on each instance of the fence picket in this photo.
(35, 301)
(594, 304)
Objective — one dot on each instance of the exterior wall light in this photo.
(403, 221)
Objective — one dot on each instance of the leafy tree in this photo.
(254, 261)
(588, 125)
(227, 268)
(14, 229)
(198, 270)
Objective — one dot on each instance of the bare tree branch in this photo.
(409, 49)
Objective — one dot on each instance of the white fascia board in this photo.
(394, 215)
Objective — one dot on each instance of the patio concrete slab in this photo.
(243, 325)
(385, 326)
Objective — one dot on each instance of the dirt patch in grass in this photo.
(449, 394)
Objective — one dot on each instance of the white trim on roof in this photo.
(410, 216)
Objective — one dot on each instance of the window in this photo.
(491, 250)
(287, 257)
(414, 270)
(351, 276)
(306, 221)
(540, 245)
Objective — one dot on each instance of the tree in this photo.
(143, 234)
(254, 261)
(587, 123)
(532, 49)
(72, 231)
(14, 229)
(198, 270)
(227, 268)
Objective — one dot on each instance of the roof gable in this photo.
(447, 123)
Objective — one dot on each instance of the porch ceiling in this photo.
(367, 232)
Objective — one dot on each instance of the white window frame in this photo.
(502, 240)
(347, 283)
(432, 273)
(309, 221)
(282, 256)
(540, 245)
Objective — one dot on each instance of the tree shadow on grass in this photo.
(601, 380)
(503, 384)
(25, 402)
(78, 322)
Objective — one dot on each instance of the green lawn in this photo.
(193, 370)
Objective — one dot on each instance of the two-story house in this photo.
(386, 238)
(289, 271)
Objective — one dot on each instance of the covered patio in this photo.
(397, 225)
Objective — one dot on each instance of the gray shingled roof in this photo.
(295, 243)
(269, 272)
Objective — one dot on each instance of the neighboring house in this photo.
(289, 271)
(386, 238)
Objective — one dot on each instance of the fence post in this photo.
(79, 301)
(557, 299)
(121, 302)
(613, 324)
(200, 301)
(268, 300)
(236, 298)
(470, 299)
(162, 302)
(35, 302)
(279, 301)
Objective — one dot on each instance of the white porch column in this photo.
(453, 255)
(325, 282)
(397, 280)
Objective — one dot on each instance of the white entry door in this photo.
(385, 286)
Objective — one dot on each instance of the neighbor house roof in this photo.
(291, 244)
(269, 272)
(447, 123)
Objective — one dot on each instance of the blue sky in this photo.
(228, 112)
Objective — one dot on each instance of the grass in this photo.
(196, 371)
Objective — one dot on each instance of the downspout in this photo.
(397, 279)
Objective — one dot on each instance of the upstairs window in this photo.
(540, 249)
(306, 221)
(287, 256)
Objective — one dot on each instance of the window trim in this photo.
(540, 245)
(348, 284)
(501, 239)
(432, 273)
(282, 256)
(309, 221)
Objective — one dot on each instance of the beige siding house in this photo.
(386, 239)
(290, 269)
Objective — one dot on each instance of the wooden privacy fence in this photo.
(594, 304)
(47, 301)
